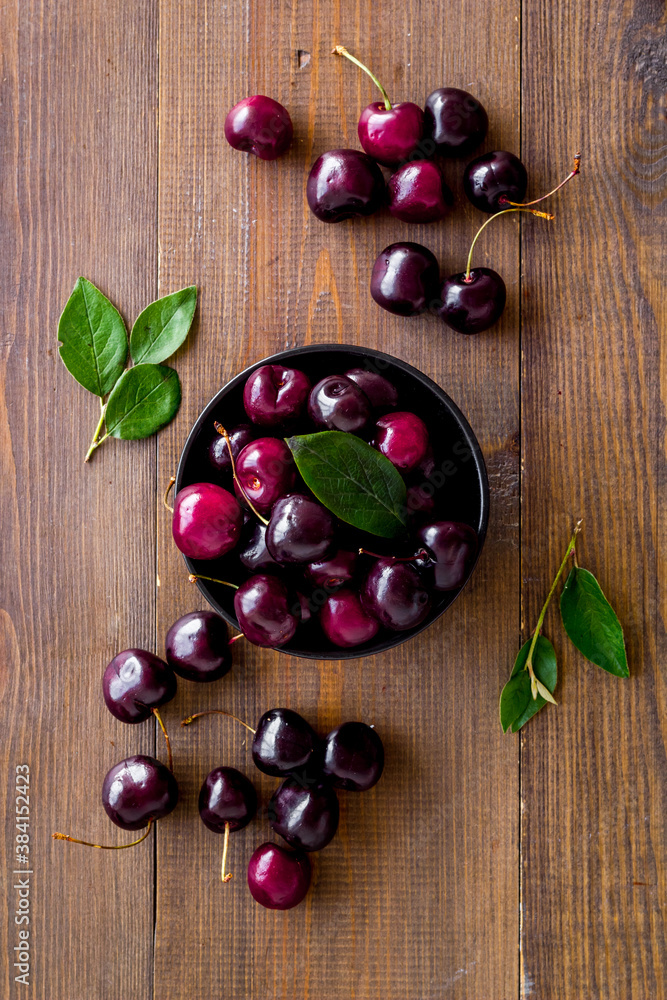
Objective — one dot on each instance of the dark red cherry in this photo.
(264, 611)
(391, 135)
(453, 547)
(227, 797)
(334, 572)
(266, 470)
(274, 395)
(136, 682)
(379, 390)
(338, 404)
(343, 184)
(474, 303)
(197, 647)
(417, 192)
(405, 279)
(278, 878)
(218, 452)
(138, 789)
(494, 176)
(353, 756)
(207, 521)
(345, 622)
(394, 593)
(300, 530)
(402, 437)
(253, 553)
(259, 125)
(283, 743)
(304, 811)
(455, 121)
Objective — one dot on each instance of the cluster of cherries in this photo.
(301, 560)
(304, 808)
(348, 183)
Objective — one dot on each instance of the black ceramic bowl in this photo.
(463, 495)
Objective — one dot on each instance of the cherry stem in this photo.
(104, 847)
(156, 713)
(216, 711)
(573, 173)
(167, 492)
(340, 50)
(235, 638)
(531, 211)
(211, 579)
(540, 621)
(97, 441)
(225, 847)
(421, 554)
(221, 430)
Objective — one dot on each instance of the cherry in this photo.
(304, 811)
(277, 878)
(402, 437)
(197, 647)
(343, 184)
(253, 553)
(259, 125)
(455, 121)
(345, 622)
(353, 756)
(138, 789)
(417, 192)
(218, 452)
(262, 607)
(136, 682)
(472, 302)
(337, 403)
(265, 471)
(405, 279)
(300, 530)
(227, 802)
(492, 177)
(207, 521)
(283, 743)
(395, 595)
(452, 547)
(334, 572)
(388, 134)
(273, 395)
(379, 390)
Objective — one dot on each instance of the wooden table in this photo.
(482, 866)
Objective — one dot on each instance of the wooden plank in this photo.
(594, 771)
(78, 96)
(418, 895)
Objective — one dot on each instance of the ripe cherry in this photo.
(493, 176)
(334, 572)
(265, 471)
(197, 647)
(274, 395)
(227, 802)
(259, 125)
(253, 553)
(405, 279)
(395, 595)
(136, 682)
(452, 546)
(264, 611)
(278, 878)
(455, 121)
(338, 404)
(218, 452)
(379, 390)
(402, 437)
(345, 622)
(283, 743)
(304, 811)
(207, 521)
(300, 530)
(353, 756)
(417, 192)
(138, 789)
(343, 184)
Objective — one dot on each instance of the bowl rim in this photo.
(396, 638)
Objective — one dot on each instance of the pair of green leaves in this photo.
(94, 348)
(592, 626)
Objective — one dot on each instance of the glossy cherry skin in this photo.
(345, 622)
(136, 682)
(402, 437)
(353, 757)
(259, 125)
(471, 305)
(263, 610)
(253, 553)
(278, 878)
(338, 404)
(207, 521)
(283, 743)
(343, 184)
(197, 647)
(396, 595)
(405, 279)
(391, 136)
(300, 530)
(137, 789)
(218, 452)
(266, 471)
(334, 572)
(379, 390)
(417, 192)
(274, 395)
(455, 121)
(453, 547)
(493, 177)
(227, 796)
(304, 811)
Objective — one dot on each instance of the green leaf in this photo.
(144, 400)
(591, 623)
(546, 670)
(163, 326)
(93, 339)
(357, 483)
(514, 699)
